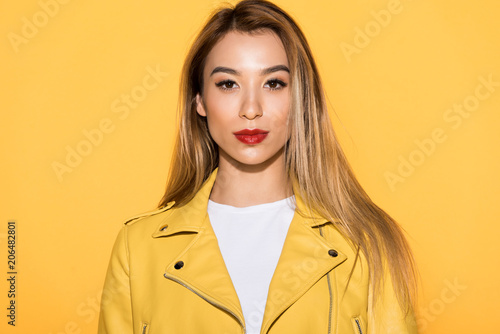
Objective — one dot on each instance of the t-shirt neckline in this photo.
(252, 208)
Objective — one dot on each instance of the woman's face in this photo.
(246, 87)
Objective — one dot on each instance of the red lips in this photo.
(251, 136)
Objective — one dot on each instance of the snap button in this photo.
(163, 228)
(333, 253)
(179, 265)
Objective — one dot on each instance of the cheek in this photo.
(222, 110)
(217, 102)
(280, 105)
(218, 117)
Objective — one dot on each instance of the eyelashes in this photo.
(225, 83)
(276, 82)
(273, 84)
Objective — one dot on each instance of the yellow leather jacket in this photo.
(167, 275)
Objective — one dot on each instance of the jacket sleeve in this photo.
(115, 315)
(386, 315)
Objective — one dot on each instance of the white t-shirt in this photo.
(250, 240)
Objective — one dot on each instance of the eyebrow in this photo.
(265, 71)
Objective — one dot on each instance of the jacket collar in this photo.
(205, 273)
(190, 217)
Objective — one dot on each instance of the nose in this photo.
(251, 105)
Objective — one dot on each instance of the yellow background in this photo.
(61, 78)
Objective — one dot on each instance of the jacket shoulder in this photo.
(153, 213)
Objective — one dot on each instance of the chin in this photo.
(252, 156)
(255, 161)
(250, 161)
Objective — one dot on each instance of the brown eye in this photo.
(226, 85)
(275, 84)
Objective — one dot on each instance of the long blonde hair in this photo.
(315, 162)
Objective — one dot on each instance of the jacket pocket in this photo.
(358, 325)
(144, 328)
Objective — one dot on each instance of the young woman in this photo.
(263, 227)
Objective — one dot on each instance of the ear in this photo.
(200, 106)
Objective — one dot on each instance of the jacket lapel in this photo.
(305, 258)
(203, 271)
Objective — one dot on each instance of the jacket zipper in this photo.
(356, 320)
(144, 327)
(209, 300)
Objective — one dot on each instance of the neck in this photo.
(244, 185)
